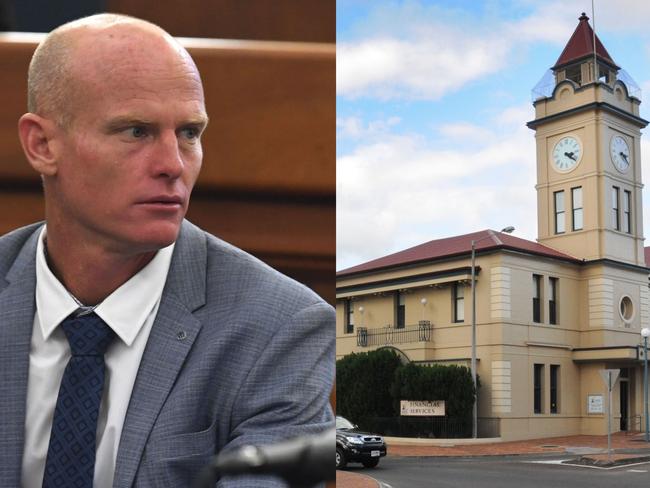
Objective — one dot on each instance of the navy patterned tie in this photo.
(71, 454)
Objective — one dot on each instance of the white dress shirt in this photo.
(130, 311)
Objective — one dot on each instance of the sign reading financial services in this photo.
(423, 408)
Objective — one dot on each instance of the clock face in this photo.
(566, 154)
(620, 153)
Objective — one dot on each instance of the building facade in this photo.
(550, 315)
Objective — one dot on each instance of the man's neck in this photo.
(89, 273)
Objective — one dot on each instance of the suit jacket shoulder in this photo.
(13, 243)
(253, 279)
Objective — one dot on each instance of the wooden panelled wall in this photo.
(268, 178)
(267, 20)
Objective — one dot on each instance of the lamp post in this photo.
(507, 230)
(645, 332)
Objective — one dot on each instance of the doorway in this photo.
(624, 390)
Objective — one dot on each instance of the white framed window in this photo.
(349, 316)
(576, 207)
(626, 309)
(627, 220)
(616, 217)
(558, 198)
(458, 302)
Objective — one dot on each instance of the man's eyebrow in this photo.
(126, 121)
(202, 120)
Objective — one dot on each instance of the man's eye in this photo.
(190, 132)
(137, 132)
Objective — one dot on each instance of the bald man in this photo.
(133, 345)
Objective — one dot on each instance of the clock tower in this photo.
(587, 130)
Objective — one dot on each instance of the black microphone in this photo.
(301, 462)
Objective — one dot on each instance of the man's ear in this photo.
(37, 138)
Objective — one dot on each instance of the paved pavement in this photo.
(354, 480)
(620, 440)
(592, 447)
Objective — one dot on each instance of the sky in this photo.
(432, 102)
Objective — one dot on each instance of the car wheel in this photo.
(371, 463)
(340, 458)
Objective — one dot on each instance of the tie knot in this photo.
(88, 335)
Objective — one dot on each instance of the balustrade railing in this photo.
(387, 336)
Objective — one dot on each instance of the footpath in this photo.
(586, 448)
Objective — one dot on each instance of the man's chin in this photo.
(154, 237)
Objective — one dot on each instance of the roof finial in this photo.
(583, 17)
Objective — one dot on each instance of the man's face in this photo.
(130, 157)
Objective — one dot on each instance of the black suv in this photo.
(357, 447)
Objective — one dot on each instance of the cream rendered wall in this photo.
(604, 287)
(379, 312)
(522, 422)
(524, 343)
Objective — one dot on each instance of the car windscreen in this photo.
(343, 423)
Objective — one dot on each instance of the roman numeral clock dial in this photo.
(566, 154)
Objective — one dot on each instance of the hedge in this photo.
(369, 387)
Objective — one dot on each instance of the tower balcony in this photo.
(546, 85)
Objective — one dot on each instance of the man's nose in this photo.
(168, 160)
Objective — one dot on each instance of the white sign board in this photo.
(423, 408)
(595, 404)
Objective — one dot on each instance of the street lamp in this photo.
(645, 332)
(507, 230)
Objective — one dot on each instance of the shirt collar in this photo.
(125, 310)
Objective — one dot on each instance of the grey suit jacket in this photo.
(238, 354)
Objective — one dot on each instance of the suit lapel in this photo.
(171, 338)
(17, 308)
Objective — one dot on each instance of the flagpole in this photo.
(593, 21)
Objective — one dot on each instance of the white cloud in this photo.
(420, 67)
(402, 190)
(622, 16)
(437, 54)
(629, 16)
(355, 128)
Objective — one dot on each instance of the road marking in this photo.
(637, 470)
(607, 468)
(563, 463)
(384, 485)
(548, 461)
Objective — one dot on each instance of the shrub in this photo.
(363, 384)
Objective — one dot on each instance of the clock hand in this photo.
(570, 155)
(624, 156)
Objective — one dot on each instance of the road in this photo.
(500, 472)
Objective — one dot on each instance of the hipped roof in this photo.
(456, 246)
